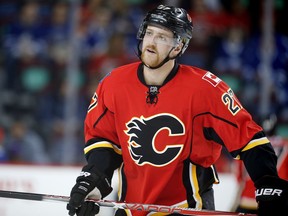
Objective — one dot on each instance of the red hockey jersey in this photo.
(195, 115)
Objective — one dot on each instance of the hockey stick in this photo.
(114, 204)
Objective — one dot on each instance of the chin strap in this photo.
(162, 63)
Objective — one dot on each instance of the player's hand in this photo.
(89, 184)
(272, 196)
(86, 209)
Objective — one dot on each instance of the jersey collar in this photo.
(168, 78)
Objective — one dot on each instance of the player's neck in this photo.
(157, 76)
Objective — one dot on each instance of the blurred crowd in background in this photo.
(54, 52)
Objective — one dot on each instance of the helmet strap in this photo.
(159, 65)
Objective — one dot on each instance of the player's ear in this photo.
(177, 49)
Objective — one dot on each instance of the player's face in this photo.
(157, 43)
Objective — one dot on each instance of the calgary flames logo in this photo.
(143, 133)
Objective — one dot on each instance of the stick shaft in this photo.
(114, 204)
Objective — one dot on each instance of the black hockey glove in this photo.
(272, 196)
(90, 183)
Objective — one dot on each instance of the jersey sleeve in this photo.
(221, 122)
(99, 124)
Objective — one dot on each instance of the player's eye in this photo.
(148, 33)
(162, 38)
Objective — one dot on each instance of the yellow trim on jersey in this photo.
(120, 180)
(103, 144)
(128, 212)
(255, 142)
(195, 186)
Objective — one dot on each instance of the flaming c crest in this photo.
(143, 132)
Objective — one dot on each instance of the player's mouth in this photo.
(149, 50)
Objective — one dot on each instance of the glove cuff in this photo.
(270, 188)
(96, 178)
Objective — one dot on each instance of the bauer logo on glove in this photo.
(268, 192)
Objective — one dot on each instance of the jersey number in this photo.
(93, 103)
(233, 104)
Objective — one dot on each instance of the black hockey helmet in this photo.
(173, 18)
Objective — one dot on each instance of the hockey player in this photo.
(163, 125)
